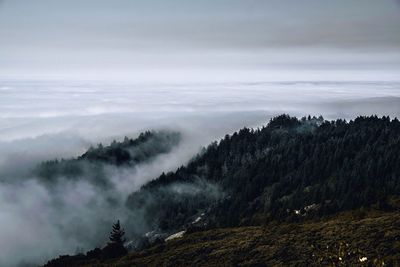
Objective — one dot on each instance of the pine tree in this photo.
(117, 233)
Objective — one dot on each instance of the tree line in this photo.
(287, 168)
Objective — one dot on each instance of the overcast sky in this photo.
(61, 36)
(237, 64)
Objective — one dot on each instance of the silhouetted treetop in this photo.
(117, 233)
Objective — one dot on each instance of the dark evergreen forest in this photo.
(287, 169)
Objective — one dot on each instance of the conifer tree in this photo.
(117, 233)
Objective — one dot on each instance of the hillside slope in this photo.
(351, 238)
(288, 168)
(292, 173)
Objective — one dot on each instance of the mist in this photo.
(77, 73)
(71, 215)
(76, 215)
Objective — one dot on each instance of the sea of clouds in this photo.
(47, 119)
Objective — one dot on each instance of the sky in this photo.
(137, 38)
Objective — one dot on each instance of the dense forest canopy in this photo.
(289, 168)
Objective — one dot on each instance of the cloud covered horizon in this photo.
(61, 119)
(76, 73)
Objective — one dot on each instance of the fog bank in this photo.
(43, 120)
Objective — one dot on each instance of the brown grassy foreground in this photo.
(355, 239)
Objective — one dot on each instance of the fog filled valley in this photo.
(61, 192)
(199, 133)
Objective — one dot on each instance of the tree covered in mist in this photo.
(133, 151)
(172, 205)
(307, 165)
(114, 249)
(129, 152)
(117, 234)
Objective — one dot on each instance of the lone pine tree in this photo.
(117, 233)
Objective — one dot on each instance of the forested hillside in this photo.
(292, 170)
(288, 168)
(129, 152)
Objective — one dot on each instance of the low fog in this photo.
(77, 73)
(73, 216)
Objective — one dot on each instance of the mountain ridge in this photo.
(289, 171)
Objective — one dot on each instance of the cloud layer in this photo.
(43, 120)
(75, 73)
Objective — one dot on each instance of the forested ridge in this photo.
(128, 152)
(289, 168)
(289, 171)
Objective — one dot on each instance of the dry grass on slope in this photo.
(342, 240)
